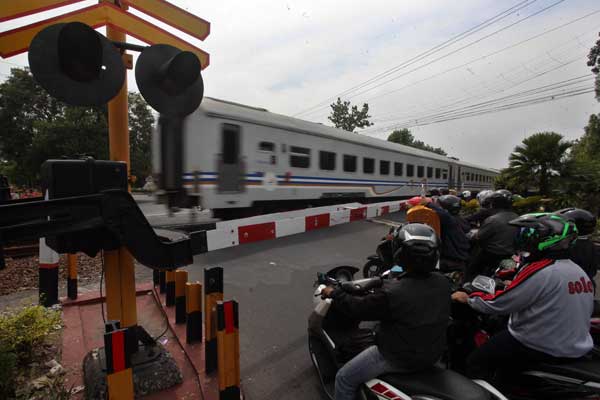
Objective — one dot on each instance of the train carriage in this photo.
(242, 160)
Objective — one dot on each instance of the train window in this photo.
(438, 173)
(368, 165)
(384, 167)
(420, 171)
(299, 157)
(430, 172)
(327, 160)
(266, 146)
(231, 144)
(266, 152)
(444, 174)
(398, 167)
(349, 163)
(410, 170)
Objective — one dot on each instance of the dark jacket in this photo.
(414, 312)
(583, 253)
(496, 236)
(480, 216)
(455, 245)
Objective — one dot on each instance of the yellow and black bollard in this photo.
(213, 292)
(119, 375)
(193, 308)
(229, 350)
(162, 281)
(72, 276)
(170, 283)
(181, 278)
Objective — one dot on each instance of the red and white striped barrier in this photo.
(272, 226)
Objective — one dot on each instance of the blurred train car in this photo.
(242, 160)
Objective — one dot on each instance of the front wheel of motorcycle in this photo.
(372, 268)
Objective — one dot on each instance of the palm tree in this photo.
(539, 157)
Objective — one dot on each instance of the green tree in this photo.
(349, 118)
(141, 121)
(594, 62)
(582, 183)
(540, 157)
(35, 127)
(405, 137)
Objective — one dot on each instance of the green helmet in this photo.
(544, 232)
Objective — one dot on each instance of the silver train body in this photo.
(241, 157)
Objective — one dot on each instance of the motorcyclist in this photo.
(413, 312)
(455, 245)
(550, 302)
(495, 238)
(485, 209)
(583, 252)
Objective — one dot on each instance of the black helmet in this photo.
(543, 232)
(505, 192)
(416, 247)
(444, 191)
(500, 199)
(483, 198)
(583, 219)
(434, 192)
(450, 203)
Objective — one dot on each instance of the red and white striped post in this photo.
(48, 275)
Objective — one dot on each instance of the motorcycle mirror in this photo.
(485, 284)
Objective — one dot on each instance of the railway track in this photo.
(21, 250)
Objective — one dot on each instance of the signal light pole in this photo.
(119, 265)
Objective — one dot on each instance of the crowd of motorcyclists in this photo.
(548, 297)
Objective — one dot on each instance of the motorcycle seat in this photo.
(437, 382)
(585, 369)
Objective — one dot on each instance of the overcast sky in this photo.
(288, 56)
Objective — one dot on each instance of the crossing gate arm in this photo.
(102, 221)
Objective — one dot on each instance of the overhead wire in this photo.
(447, 54)
(427, 53)
(512, 46)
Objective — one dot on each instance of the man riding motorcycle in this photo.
(550, 302)
(583, 252)
(413, 312)
(485, 209)
(455, 245)
(495, 238)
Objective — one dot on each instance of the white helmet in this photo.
(482, 196)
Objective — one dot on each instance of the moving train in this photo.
(242, 160)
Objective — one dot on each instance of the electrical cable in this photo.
(484, 57)
(426, 53)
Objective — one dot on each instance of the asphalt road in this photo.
(273, 284)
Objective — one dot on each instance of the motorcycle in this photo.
(383, 260)
(577, 379)
(333, 339)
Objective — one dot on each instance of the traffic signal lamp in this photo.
(76, 64)
(169, 80)
(79, 66)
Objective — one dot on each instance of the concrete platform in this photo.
(84, 330)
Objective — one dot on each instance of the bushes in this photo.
(528, 205)
(23, 333)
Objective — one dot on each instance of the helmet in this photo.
(434, 192)
(482, 198)
(505, 192)
(499, 199)
(466, 194)
(583, 219)
(543, 232)
(450, 203)
(416, 247)
(444, 191)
